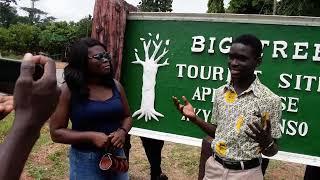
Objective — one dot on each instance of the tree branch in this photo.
(165, 51)
(156, 49)
(138, 60)
(165, 63)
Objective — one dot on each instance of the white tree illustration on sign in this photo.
(150, 68)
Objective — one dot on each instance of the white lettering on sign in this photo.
(264, 44)
(279, 46)
(225, 49)
(201, 94)
(204, 72)
(289, 104)
(300, 47)
(300, 81)
(211, 49)
(316, 56)
(180, 69)
(201, 113)
(198, 44)
(292, 128)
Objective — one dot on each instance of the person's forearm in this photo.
(208, 128)
(271, 151)
(15, 150)
(68, 136)
(127, 124)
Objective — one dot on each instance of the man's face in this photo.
(242, 61)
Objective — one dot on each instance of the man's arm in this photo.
(208, 128)
(15, 149)
(188, 111)
(34, 101)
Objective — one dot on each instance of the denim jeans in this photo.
(84, 165)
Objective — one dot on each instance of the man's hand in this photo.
(6, 105)
(35, 100)
(186, 109)
(261, 135)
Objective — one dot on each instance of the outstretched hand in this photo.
(6, 105)
(186, 109)
(261, 135)
(35, 99)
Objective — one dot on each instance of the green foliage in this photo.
(299, 8)
(49, 37)
(155, 6)
(56, 36)
(84, 27)
(7, 14)
(215, 6)
(34, 14)
(284, 7)
(5, 126)
(251, 6)
(4, 38)
(8, 1)
(23, 38)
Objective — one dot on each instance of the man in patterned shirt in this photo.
(245, 117)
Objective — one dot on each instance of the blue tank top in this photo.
(100, 116)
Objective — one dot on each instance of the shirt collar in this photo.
(254, 87)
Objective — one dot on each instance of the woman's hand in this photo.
(100, 140)
(118, 138)
(6, 105)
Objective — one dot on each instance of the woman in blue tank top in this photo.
(97, 107)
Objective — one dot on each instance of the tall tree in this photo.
(215, 6)
(7, 12)
(299, 7)
(84, 26)
(251, 6)
(36, 15)
(155, 6)
(284, 7)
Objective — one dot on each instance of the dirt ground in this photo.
(180, 162)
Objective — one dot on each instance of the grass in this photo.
(10, 55)
(49, 160)
(5, 126)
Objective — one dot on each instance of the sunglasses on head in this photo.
(103, 56)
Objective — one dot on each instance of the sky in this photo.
(74, 10)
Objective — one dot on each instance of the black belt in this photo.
(236, 165)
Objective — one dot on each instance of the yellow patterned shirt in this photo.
(231, 113)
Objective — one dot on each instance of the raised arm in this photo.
(188, 111)
(34, 102)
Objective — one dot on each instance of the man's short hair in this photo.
(252, 41)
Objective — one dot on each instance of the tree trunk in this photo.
(148, 87)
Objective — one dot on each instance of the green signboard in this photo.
(186, 55)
